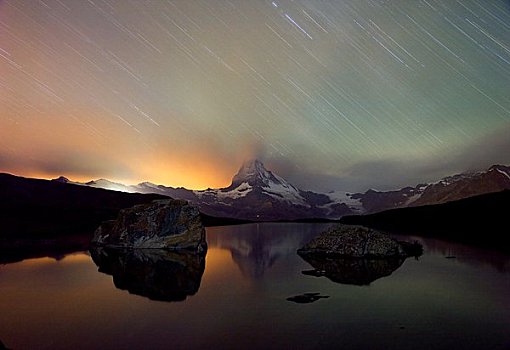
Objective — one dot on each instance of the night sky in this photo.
(345, 94)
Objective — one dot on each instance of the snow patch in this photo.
(412, 199)
(109, 185)
(504, 173)
(240, 191)
(346, 197)
(284, 191)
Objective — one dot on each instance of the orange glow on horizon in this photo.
(195, 177)
(191, 173)
(67, 148)
(197, 181)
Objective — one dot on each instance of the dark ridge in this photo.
(209, 221)
(312, 220)
(42, 209)
(481, 220)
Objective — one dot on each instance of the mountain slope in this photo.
(494, 179)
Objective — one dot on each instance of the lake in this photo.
(453, 296)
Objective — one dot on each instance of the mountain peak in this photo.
(62, 179)
(252, 166)
(252, 172)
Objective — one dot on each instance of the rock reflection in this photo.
(354, 271)
(153, 273)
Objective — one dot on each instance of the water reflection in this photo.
(466, 254)
(12, 251)
(351, 271)
(436, 300)
(256, 247)
(153, 273)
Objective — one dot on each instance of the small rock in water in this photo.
(314, 272)
(307, 298)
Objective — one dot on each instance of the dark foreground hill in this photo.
(481, 220)
(42, 209)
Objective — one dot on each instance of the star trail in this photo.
(332, 94)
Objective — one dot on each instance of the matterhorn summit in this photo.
(258, 194)
(254, 175)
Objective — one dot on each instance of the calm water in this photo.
(236, 298)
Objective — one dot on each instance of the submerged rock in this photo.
(357, 242)
(158, 274)
(307, 298)
(161, 224)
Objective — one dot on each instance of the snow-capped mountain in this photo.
(451, 188)
(494, 179)
(109, 185)
(100, 183)
(258, 194)
(254, 177)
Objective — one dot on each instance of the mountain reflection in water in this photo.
(154, 273)
(256, 247)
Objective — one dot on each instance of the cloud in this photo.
(388, 174)
(68, 162)
(378, 174)
(486, 151)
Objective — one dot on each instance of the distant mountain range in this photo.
(254, 194)
(258, 194)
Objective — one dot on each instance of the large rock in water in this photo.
(162, 224)
(357, 242)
